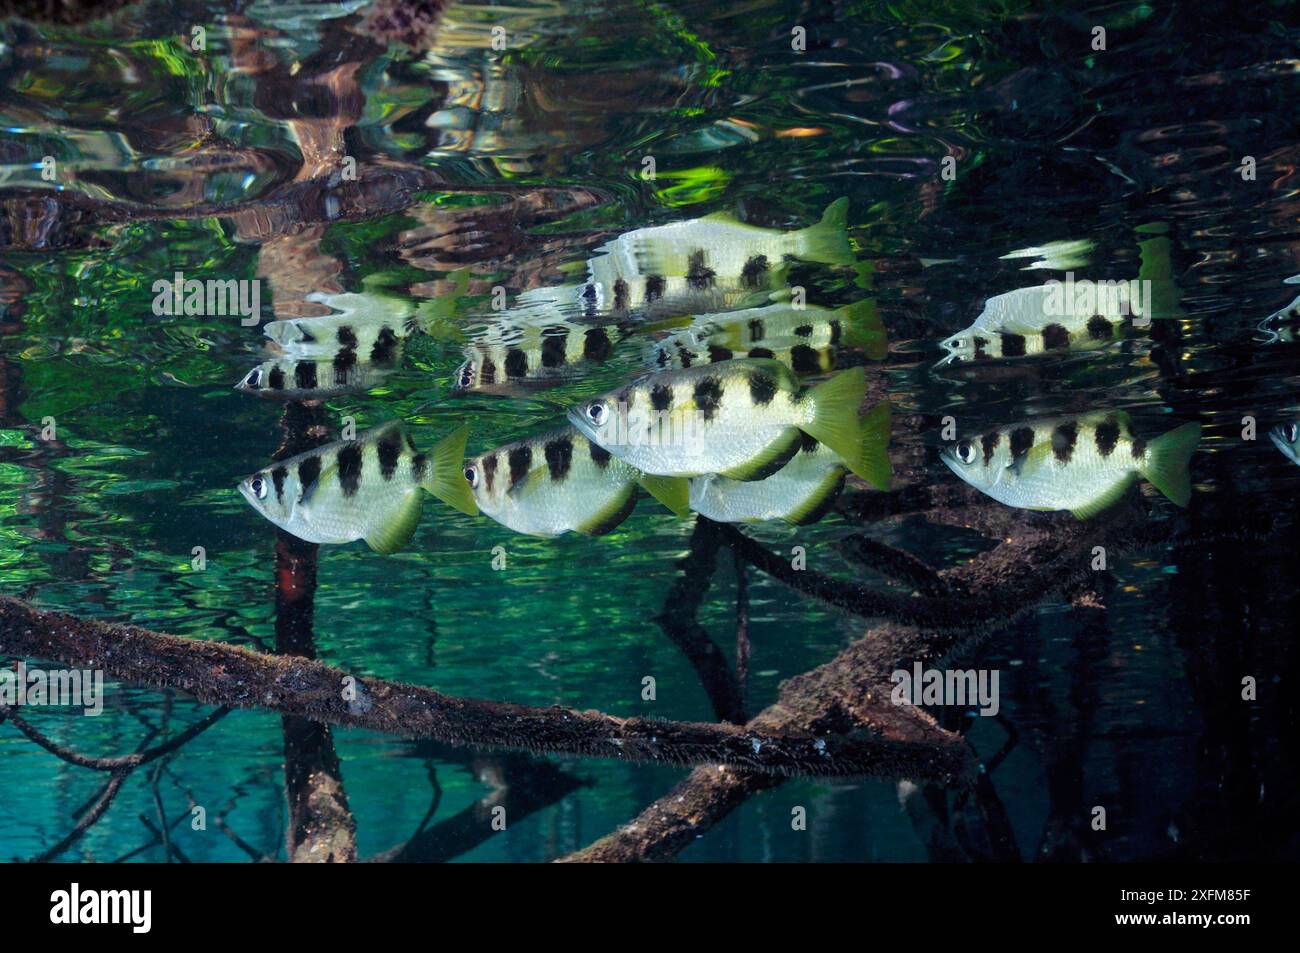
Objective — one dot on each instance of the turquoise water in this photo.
(510, 168)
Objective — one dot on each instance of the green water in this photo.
(515, 165)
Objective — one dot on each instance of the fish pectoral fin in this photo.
(1031, 461)
(608, 517)
(396, 532)
(672, 492)
(527, 483)
(1106, 500)
(309, 490)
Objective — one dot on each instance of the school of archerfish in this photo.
(752, 405)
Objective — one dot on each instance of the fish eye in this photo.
(254, 377)
(596, 412)
(966, 452)
(258, 486)
(1292, 432)
(471, 476)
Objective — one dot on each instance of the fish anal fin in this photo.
(1106, 500)
(396, 532)
(608, 518)
(770, 459)
(818, 503)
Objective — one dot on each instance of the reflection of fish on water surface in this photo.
(710, 262)
(560, 482)
(741, 419)
(1083, 464)
(801, 492)
(366, 323)
(369, 488)
(316, 378)
(1043, 320)
(529, 354)
(804, 339)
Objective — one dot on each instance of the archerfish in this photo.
(561, 482)
(801, 492)
(806, 340)
(371, 487)
(365, 323)
(741, 419)
(502, 358)
(716, 251)
(1083, 464)
(1045, 319)
(1286, 437)
(317, 378)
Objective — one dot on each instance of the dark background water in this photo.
(517, 165)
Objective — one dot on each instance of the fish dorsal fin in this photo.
(1106, 500)
(397, 531)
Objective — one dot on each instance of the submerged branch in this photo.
(223, 674)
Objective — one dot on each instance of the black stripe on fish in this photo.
(596, 345)
(756, 330)
(1022, 438)
(708, 395)
(698, 274)
(752, 274)
(418, 463)
(762, 388)
(717, 353)
(761, 352)
(589, 293)
(344, 361)
(980, 345)
(661, 397)
(1055, 337)
(626, 397)
(1107, 436)
(807, 444)
(559, 456)
(347, 337)
(803, 330)
(662, 358)
(489, 465)
(304, 375)
(488, 372)
(686, 357)
(654, 288)
(1013, 345)
(307, 337)
(277, 478)
(308, 471)
(1139, 448)
(276, 380)
(385, 347)
(599, 455)
(553, 346)
(836, 330)
(1099, 328)
(989, 443)
(350, 469)
(805, 360)
(1064, 438)
(516, 363)
(521, 461)
(390, 450)
(620, 295)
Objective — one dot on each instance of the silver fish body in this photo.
(741, 419)
(316, 378)
(556, 483)
(1083, 464)
(369, 488)
(800, 492)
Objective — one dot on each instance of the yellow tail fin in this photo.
(828, 241)
(1166, 462)
(445, 476)
(863, 444)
